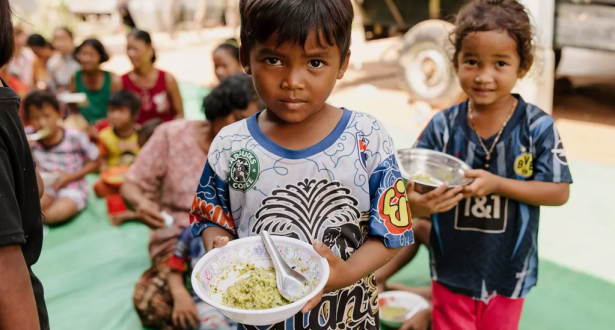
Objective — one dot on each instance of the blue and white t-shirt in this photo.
(340, 191)
(488, 245)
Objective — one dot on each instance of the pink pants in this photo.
(453, 311)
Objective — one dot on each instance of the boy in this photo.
(66, 153)
(118, 145)
(303, 168)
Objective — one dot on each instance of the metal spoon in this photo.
(292, 285)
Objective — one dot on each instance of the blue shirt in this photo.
(488, 245)
(341, 191)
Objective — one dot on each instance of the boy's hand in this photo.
(420, 321)
(484, 183)
(62, 181)
(436, 201)
(184, 311)
(149, 213)
(337, 271)
(220, 241)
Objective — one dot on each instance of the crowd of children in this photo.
(482, 237)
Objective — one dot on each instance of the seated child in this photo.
(118, 145)
(189, 311)
(64, 153)
(306, 169)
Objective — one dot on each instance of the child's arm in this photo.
(215, 237)
(184, 308)
(405, 255)
(89, 167)
(528, 192)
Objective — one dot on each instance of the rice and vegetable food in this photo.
(393, 313)
(424, 178)
(257, 291)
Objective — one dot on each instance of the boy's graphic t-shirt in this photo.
(340, 191)
(119, 151)
(488, 245)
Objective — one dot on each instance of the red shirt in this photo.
(155, 102)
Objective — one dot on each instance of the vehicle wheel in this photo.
(426, 67)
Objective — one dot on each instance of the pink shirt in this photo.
(170, 163)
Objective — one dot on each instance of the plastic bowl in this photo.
(49, 178)
(410, 301)
(417, 163)
(210, 271)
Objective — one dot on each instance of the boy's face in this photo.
(295, 81)
(120, 117)
(44, 117)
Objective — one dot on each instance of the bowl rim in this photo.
(407, 176)
(299, 303)
(387, 294)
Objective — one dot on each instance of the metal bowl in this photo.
(430, 169)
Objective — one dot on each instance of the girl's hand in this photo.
(484, 183)
(149, 213)
(436, 201)
(184, 311)
(337, 273)
(62, 181)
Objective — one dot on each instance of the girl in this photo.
(158, 90)
(65, 154)
(226, 60)
(484, 250)
(22, 64)
(63, 65)
(94, 82)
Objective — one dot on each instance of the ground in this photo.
(577, 272)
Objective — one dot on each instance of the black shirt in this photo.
(20, 206)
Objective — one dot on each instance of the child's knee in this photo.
(101, 189)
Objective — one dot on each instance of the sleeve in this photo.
(88, 150)
(210, 206)
(551, 164)
(11, 227)
(432, 136)
(149, 168)
(181, 255)
(390, 216)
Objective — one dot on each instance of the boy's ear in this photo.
(245, 60)
(522, 73)
(344, 66)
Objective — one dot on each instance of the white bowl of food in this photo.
(396, 307)
(239, 280)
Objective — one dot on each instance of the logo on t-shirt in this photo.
(524, 165)
(362, 146)
(394, 209)
(243, 171)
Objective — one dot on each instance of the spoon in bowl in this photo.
(291, 284)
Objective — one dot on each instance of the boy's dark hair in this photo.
(230, 46)
(37, 40)
(145, 37)
(496, 15)
(38, 99)
(97, 45)
(235, 93)
(7, 38)
(148, 129)
(66, 30)
(293, 20)
(125, 98)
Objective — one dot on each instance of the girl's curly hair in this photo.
(496, 15)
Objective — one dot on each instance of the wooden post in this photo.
(537, 87)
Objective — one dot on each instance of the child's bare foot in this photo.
(119, 219)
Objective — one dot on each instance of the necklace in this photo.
(489, 151)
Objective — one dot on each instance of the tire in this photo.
(426, 67)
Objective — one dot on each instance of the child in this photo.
(226, 60)
(303, 168)
(66, 153)
(118, 145)
(189, 311)
(484, 250)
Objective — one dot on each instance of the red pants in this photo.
(453, 311)
(111, 193)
